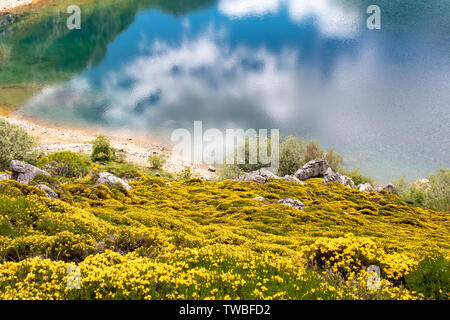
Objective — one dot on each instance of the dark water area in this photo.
(309, 68)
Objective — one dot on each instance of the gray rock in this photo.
(50, 193)
(292, 203)
(108, 178)
(295, 179)
(260, 198)
(258, 176)
(366, 187)
(388, 187)
(313, 169)
(5, 176)
(267, 174)
(336, 176)
(23, 172)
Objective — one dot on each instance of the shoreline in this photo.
(55, 138)
(12, 5)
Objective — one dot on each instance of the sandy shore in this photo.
(12, 4)
(53, 138)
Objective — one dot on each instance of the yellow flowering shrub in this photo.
(194, 239)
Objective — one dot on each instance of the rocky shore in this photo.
(52, 139)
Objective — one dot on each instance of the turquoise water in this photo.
(310, 68)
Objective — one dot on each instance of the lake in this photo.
(309, 68)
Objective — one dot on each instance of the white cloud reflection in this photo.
(332, 20)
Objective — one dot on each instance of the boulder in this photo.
(258, 176)
(23, 172)
(267, 174)
(336, 176)
(50, 193)
(292, 203)
(366, 187)
(260, 198)
(5, 176)
(388, 187)
(292, 178)
(108, 178)
(313, 169)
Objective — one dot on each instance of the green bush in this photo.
(157, 162)
(438, 195)
(15, 144)
(431, 277)
(357, 177)
(186, 174)
(291, 156)
(313, 152)
(102, 150)
(228, 171)
(334, 159)
(66, 164)
(434, 194)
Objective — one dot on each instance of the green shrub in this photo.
(438, 195)
(431, 277)
(66, 164)
(228, 171)
(434, 194)
(186, 174)
(15, 144)
(334, 159)
(291, 156)
(157, 162)
(313, 152)
(102, 150)
(357, 177)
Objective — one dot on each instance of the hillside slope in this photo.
(193, 239)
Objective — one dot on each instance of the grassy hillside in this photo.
(193, 239)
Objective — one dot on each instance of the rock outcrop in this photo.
(108, 178)
(320, 168)
(388, 187)
(5, 176)
(258, 176)
(292, 178)
(336, 176)
(366, 187)
(260, 198)
(313, 169)
(49, 191)
(292, 203)
(23, 172)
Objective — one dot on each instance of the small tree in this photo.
(313, 151)
(102, 150)
(157, 162)
(15, 144)
(334, 159)
(291, 155)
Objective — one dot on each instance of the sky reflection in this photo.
(306, 67)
